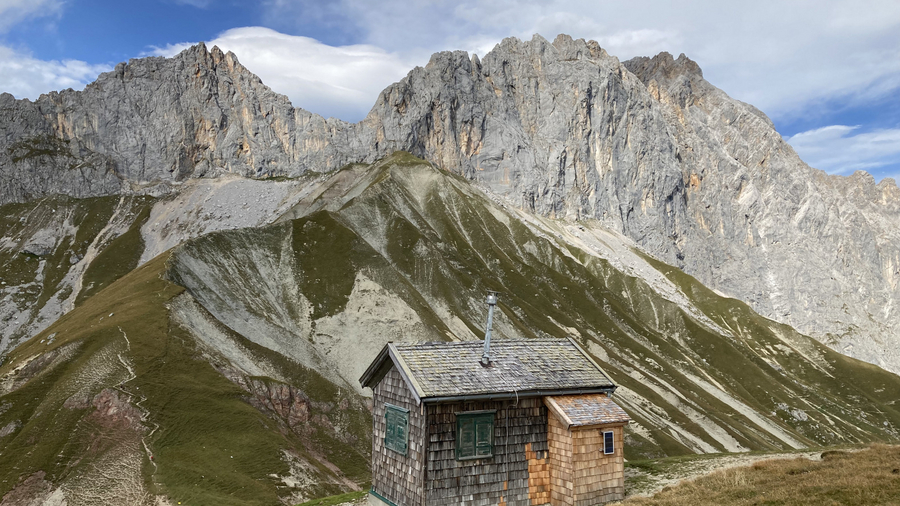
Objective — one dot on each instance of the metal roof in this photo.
(444, 371)
(584, 410)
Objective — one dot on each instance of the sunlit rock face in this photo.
(652, 150)
(647, 147)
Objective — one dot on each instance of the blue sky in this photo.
(826, 72)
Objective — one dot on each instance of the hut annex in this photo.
(525, 422)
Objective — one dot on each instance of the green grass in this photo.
(324, 251)
(59, 213)
(38, 403)
(118, 258)
(335, 499)
(40, 147)
(212, 447)
(870, 477)
(436, 248)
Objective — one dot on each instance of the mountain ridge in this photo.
(234, 357)
(648, 147)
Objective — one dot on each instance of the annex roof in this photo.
(586, 410)
(443, 371)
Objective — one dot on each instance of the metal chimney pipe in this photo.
(491, 302)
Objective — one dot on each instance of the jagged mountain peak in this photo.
(663, 65)
(648, 148)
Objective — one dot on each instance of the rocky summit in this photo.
(646, 147)
(194, 273)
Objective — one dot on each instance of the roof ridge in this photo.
(479, 341)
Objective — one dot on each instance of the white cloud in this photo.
(333, 81)
(14, 11)
(838, 149)
(783, 57)
(27, 77)
(200, 4)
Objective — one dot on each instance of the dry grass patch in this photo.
(870, 477)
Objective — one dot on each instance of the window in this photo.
(608, 443)
(474, 435)
(396, 434)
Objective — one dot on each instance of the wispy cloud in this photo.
(15, 11)
(340, 81)
(787, 58)
(28, 77)
(838, 149)
(200, 4)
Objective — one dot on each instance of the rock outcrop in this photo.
(156, 120)
(652, 150)
(646, 147)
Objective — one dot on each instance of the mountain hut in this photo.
(526, 422)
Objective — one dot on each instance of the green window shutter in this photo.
(465, 442)
(474, 435)
(484, 436)
(396, 433)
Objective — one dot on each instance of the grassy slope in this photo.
(431, 240)
(871, 477)
(211, 447)
(77, 223)
(434, 241)
(467, 249)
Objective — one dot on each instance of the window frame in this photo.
(481, 419)
(392, 441)
(609, 449)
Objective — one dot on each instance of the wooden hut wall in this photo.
(599, 478)
(394, 476)
(516, 474)
(562, 478)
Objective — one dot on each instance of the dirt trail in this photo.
(145, 413)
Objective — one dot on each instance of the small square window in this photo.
(474, 435)
(396, 434)
(608, 443)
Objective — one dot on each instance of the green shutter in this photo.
(396, 434)
(484, 436)
(474, 435)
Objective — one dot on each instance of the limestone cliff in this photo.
(652, 150)
(156, 120)
(646, 147)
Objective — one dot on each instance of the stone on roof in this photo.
(584, 410)
(518, 367)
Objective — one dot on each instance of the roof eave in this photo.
(414, 388)
(377, 369)
(600, 425)
(389, 357)
(518, 395)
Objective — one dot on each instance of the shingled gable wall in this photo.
(517, 474)
(396, 477)
(580, 473)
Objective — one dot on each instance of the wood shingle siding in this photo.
(520, 430)
(525, 430)
(562, 481)
(397, 477)
(599, 478)
(580, 473)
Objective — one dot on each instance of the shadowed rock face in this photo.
(647, 147)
